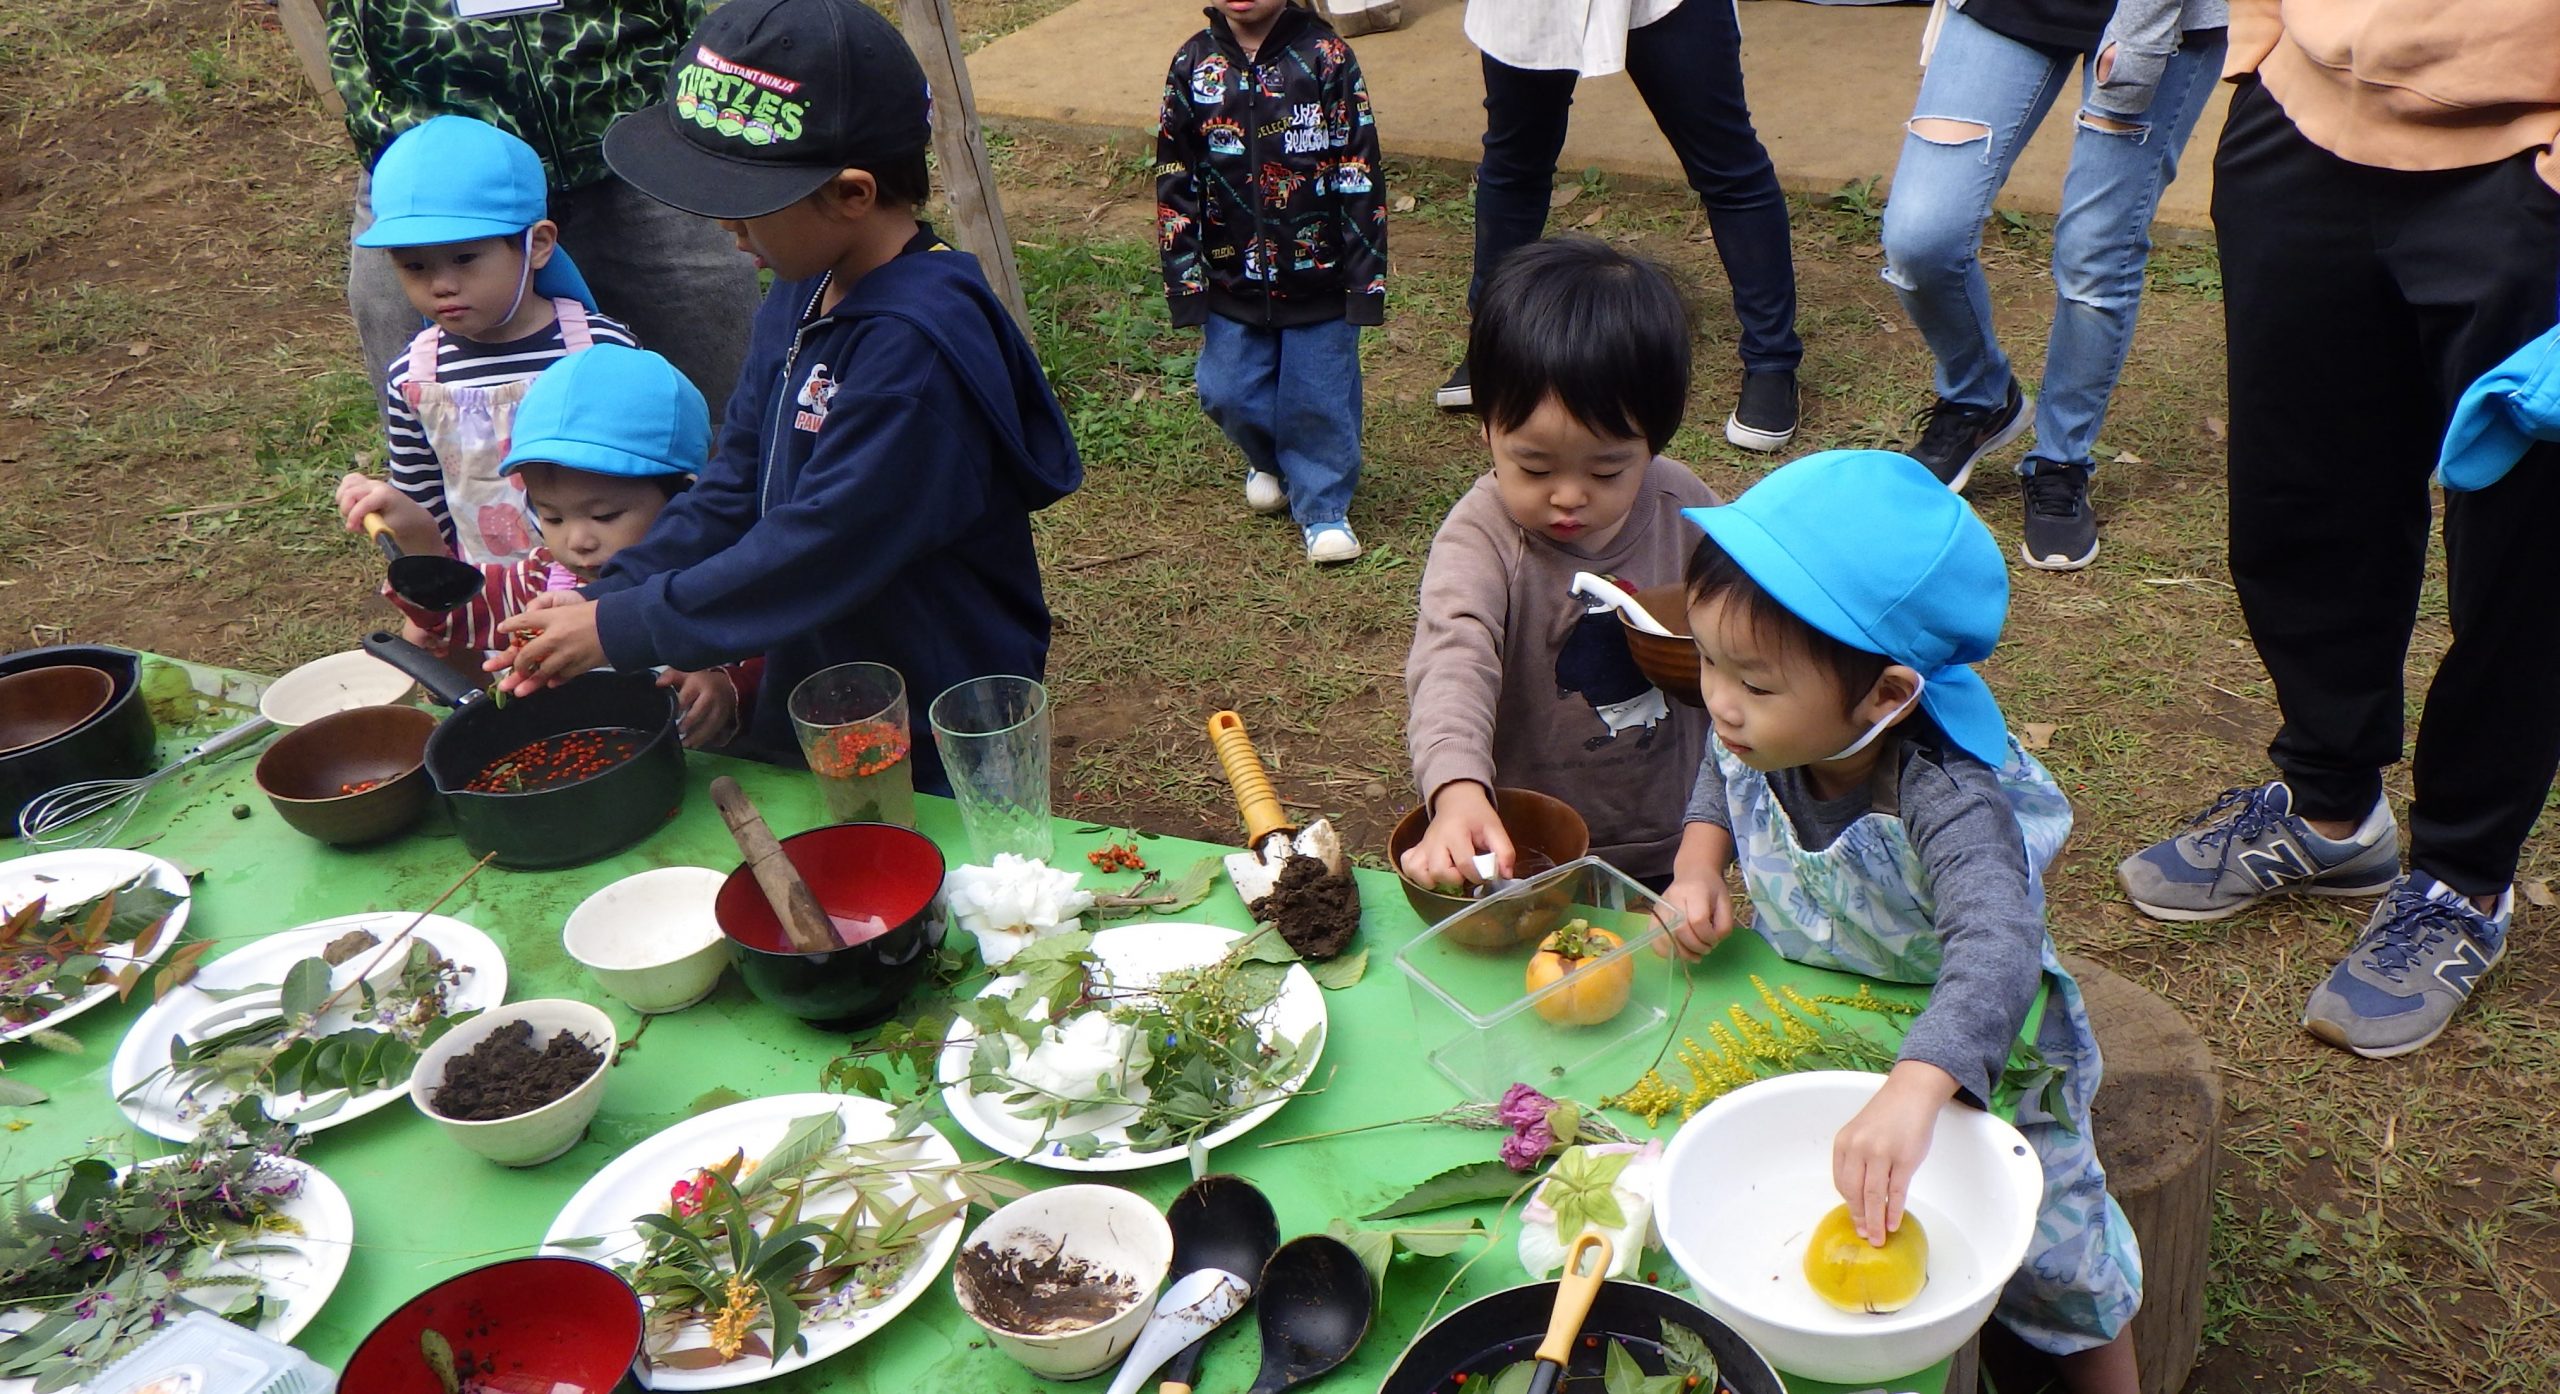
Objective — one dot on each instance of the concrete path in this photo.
(1830, 89)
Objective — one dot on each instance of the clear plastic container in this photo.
(201, 1353)
(1584, 1031)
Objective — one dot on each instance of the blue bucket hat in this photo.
(611, 410)
(2500, 417)
(1868, 547)
(454, 179)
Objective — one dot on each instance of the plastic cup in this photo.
(852, 724)
(994, 737)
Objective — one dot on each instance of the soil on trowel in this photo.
(506, 1075)
(1316, 910)
(1042, 1295)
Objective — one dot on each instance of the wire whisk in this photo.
(93, 811)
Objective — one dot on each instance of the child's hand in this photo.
(432, 640)
(411, 526)
(1706, 913)
(1463, 823)
(1875, 1155)
(706, 705)
(557, 630)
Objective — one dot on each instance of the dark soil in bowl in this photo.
(1316, 911)
(505, 1074)
(1037, 1295)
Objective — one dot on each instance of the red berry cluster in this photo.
(1119, 856)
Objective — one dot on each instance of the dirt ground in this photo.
(179, 390)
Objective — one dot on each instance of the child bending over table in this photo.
(1580, 362)
(602, 441)
(1887, 824)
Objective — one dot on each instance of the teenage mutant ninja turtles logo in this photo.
(737, 101)
(817, 393)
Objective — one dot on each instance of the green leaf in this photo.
(1374, 1246)
(439, 1357)
(1687, 1353)
(306, 986)
(1190, 888)
(1459, 1185)
(1515, 1379)
(1333, 975)
(803, 1143)
(17, 1094)
(1439, 1241)
(1619, 1373)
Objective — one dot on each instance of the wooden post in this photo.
(308, 31)
(968, 177)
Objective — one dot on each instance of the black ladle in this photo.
(1218, 1222)
(1315, 1301)
(430, 583)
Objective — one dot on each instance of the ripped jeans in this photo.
(1999, 90)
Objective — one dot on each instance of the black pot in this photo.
(114, 744)
(1491, 1333)
(556, 825)
(857, 871)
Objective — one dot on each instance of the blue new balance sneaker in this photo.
(2425, 949)
(2249, 845)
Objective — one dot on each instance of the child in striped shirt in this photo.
(458, 207)
(601, 442)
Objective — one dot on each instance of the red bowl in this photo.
(857, 871)
(561, 1325)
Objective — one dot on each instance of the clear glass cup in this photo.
(993, 734)
(852, 724)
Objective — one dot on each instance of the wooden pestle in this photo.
(804, 920)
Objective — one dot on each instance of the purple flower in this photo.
(1528, 1146)
(1521, 1106)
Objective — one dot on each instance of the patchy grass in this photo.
(2378, 1225)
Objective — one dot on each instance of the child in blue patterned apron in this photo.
(1886, 823)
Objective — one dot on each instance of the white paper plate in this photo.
(67, 878)
(637, 1182)
(327, 686)
(157, 1109)
(297, 1276)
(1133, 956)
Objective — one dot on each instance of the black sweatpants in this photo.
(2359, 303)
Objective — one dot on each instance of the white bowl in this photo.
(337, 683)
(1743, 1183)
(1112, 1229)
(528, 1139)
(651, 939)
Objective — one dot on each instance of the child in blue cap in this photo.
(1887, 824)
(602, 441)
(459, 208)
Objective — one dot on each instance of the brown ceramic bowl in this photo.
(42, 703)
(1545, 832)
(1672, 664)
(307, 772)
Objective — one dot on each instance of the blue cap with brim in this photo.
(456, 179)
(2503, 415)
(611, 410)
(1868, 547)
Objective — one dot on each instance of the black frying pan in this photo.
(545, 823)
(1493, 1333)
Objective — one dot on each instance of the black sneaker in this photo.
(2061, 532)
(1954, 437)
(1765, 419)
(1457, 394)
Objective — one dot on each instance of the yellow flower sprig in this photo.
(1797, 1034)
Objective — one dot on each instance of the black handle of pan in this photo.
(441, 682)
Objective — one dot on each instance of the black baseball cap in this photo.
(771, 99)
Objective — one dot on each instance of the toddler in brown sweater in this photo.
(1579, 358)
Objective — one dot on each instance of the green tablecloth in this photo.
(425, 1209)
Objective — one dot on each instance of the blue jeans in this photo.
(1290, 400)
(1942, 191)
(1687, 66)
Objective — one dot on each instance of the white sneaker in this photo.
(1264, 493)
(1330, 543)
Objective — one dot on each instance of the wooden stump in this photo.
(2158, 1117)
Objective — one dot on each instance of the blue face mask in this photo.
(1862, 742)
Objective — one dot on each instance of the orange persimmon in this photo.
(1592, 994)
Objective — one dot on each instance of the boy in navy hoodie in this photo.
(871, 494)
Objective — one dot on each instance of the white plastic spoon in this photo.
(1608, 593)
(1198, 1303)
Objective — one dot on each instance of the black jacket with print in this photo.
(1270, 204)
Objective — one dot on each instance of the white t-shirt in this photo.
(1586, 36)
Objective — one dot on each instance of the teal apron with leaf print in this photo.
(1864, 905)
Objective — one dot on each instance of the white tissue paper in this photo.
(1542, 1250)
